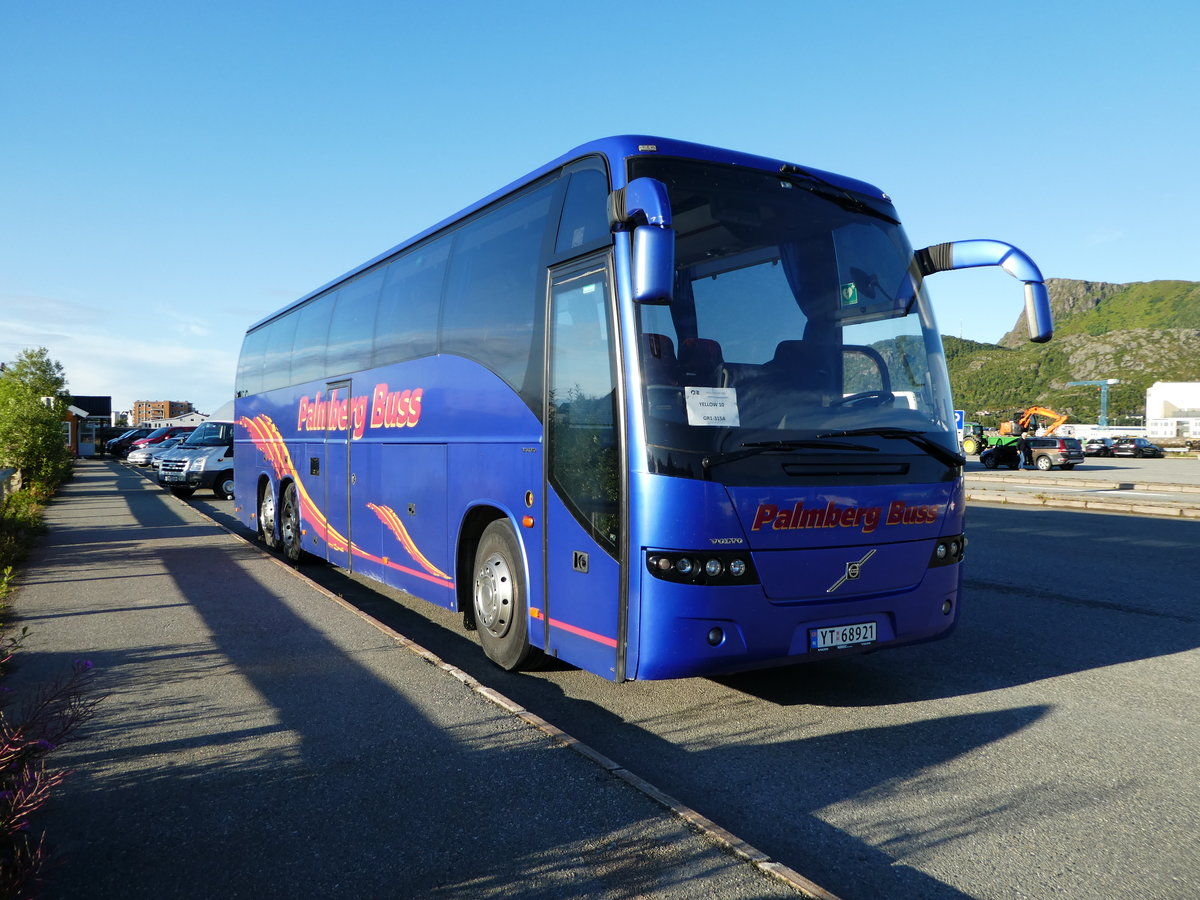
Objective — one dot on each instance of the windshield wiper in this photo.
(842, 197)
(934, 449)
(753, 448)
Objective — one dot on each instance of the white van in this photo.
(203, 460)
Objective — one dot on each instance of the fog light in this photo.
(713, 568)
(946, 607)
(737, 567)
(715, 637)
(662, 562)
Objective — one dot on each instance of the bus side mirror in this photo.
(653, 264)
(644, 205)
(969, 254)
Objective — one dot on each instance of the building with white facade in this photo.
(1173, 409)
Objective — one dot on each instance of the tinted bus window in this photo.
(350, 326)
(250, 363)
(584, 222)
(277, 361)
(308, 345)
(406, 321)
(495, 286)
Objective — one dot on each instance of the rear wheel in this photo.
(1043, 463)
(499, 597)
(289, 526)
(266, 518)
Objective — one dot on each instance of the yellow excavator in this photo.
(1004, 450)
(1029, 418)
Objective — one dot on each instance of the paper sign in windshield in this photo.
(712, 406)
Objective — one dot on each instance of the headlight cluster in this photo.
(714, 568)
(197, 464)
(949, 550)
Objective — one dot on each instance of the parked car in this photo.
(120, 446)
(158, 435)
(203, 460)
(1137, 448)
(1048, 452)
(145, 456)
(1098, 447)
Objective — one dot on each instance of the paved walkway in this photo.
(258, 739)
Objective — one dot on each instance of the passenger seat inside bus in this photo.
(659, 365)
(702, 363)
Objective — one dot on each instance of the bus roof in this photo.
(614, 149)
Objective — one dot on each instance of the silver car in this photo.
(148, 456)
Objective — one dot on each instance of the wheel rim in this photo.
(289, 528)
(494, 595)
(266, 513)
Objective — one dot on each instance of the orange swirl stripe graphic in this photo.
(270, 442)
(389, 518)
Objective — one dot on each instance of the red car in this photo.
(158, 435)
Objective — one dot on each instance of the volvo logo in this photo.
(853, 570)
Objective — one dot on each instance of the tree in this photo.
(33, 404)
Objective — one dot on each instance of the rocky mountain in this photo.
(1139, 333)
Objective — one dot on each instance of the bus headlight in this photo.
(948, 551)
(712, 568)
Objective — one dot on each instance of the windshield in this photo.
(798, 313)
(211, 434)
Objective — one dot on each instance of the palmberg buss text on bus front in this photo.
(656, 409)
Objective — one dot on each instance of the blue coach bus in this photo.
(656, 409)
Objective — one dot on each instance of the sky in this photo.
(171, 173)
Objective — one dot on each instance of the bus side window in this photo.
(351, 325)
(312, 329)
(494, 286)
(277, 360)
(406, 321)
(584, 222)
(250, 363)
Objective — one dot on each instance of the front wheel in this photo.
(499, 597)
(223, 486)
(289, 526)
(989, 459)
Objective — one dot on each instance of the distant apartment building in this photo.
(1173, 409)
(153, 410)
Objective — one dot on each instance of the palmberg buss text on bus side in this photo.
(656, 409)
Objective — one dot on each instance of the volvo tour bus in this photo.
(656, 409)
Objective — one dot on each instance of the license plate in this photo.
(172, 478)
(841, 636)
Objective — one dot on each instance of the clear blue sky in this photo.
(171, 173)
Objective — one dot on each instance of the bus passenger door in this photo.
(336, 475)
(583, 598)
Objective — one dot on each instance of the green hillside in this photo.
(1139, 333)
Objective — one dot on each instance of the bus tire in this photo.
(266, 518)
(499, 597)
(289, 525)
